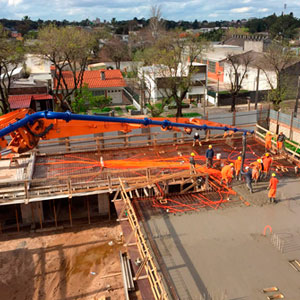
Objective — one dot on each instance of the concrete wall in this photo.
(257, 46)
(103, 204)
(37, 64)
(197, 90)
(116, 95)
(26, 212)
(249, 82)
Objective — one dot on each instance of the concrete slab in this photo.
(8, 174)
(223, 254)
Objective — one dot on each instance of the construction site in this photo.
(118, 212)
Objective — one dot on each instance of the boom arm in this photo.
(27, 128)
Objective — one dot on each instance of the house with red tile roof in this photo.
(100, 82)
(37, 102)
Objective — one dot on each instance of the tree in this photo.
(171, 60)
(285, 27)
(117, 51)
(275, 60)
(156, 109)
(237, 68)
(195, 24)
(100, 101)
(256, 25)
(236, 31)
(11, 56)
(156, 25)
(66, 48)
(214, 35)
(85, 100)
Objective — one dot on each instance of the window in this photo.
(98, 93)
(212, 66)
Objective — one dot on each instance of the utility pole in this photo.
(257, 87)
(244, 149)
(218, 86)
(297, 98)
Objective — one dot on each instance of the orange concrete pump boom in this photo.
(26, 127)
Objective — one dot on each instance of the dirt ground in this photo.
(63, 265)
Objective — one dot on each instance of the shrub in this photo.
(128, 107)
(186, 115)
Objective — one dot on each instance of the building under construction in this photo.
(166, 209)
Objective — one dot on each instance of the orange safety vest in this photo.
(255, 173)
(237, 165)
(257, 165)
(226, 172)
(268, 140)
(267, 163)
(273, 187)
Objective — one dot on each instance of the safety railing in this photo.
(260, 133)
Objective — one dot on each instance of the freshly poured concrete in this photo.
(223, 254)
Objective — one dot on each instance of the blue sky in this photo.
(127, 9)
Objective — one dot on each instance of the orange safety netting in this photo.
(71, 164)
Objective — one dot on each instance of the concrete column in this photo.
(103, 204)
(28, 209)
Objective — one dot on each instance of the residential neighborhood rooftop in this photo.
(96, 79)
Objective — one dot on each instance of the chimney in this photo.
(102, 75)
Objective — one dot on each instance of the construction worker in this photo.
(280, 142)
(237, 167)
(267, 161)
(256, 169)
(272, 188)
(227, 174)
(192, 163)
(248, 178)
(268, 141)
(255, 173)
(261, 168)
(209, 155)
(196, 138)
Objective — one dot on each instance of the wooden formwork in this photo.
(147, 261)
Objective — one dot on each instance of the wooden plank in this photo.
(40, 215)
(54, 212)
(32, 213)
(70, 212)
(188, 188)
(17, 218)
(133, 252)
(88, 210)
(150, 267)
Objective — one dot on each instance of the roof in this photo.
(235, 41)
(113, 78)
(239, 40)
(19, 101)
(23, 101)
(41, 97)
(13, 73)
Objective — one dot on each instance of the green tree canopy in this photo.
(67, 48)
(12, 54)
(172, 58)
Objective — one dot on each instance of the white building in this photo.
(266, 77)
(156, 78)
